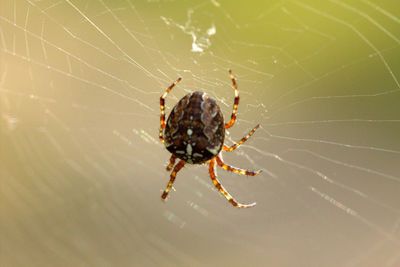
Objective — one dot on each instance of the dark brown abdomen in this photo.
(195, 129)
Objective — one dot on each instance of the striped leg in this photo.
(221, 189)
(244, 139)
(233, 169)
(171, 162)
(172, 179)
(236, 103)
(162, 106)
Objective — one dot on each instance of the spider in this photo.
(195, 133)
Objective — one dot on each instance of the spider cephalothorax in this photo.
(195, 133)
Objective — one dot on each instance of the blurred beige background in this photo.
(82, 168)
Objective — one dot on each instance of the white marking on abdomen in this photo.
(212, 150)
(189, 149)
(189, 132)
(215, 128)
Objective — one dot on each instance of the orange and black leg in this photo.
(176, 169)
(244, 139)
(171, 162)
(221, 189)
(236, 103)
(162, 106)
(233, 169)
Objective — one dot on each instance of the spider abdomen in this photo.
(195, 128)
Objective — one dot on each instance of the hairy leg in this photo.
(176, 169)
(221, 189)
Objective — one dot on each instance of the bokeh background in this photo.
(82, 169)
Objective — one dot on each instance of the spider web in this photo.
(83, 169)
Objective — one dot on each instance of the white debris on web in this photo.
(201, 39)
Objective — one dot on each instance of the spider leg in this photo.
(171, 162)
(221, 189)
(162, 107)
(172, 179)
(236, 103)
(244, 139)
(233, 169)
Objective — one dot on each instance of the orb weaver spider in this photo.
(195, 133)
